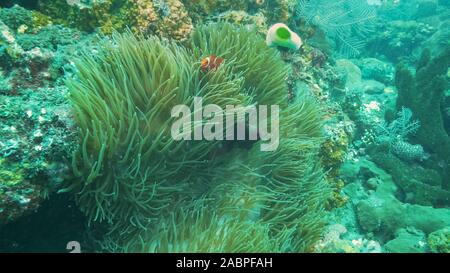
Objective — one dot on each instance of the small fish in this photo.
(211, 63)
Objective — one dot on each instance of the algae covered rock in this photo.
(371, 87)
(35, 56)
(16, 16)
(37, 134)
(374, 69)
(407, 241)
(351, 72)
(380, 211)
(420, 185)
(36, 142)
(18, 197)
(439, 241)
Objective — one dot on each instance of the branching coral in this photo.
(395, 135)
(136, 177)
(345, 21)
(399, 128)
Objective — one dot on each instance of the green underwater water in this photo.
(361, 135)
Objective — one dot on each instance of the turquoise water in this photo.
(225, 126)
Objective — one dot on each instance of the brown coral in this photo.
(145, 15)
(283, 9)
(168, 19)
(243, 18)
(177, 24)
(200, 9)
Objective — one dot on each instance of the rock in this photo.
(371, 87)
(383, 214)
(374, 69)
(372, 183)
(351, 72)
(407, 241)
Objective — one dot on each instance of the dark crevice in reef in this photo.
(49, 229)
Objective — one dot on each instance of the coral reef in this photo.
(177, 24)
(333, 242)
(274, 10)
(242, 18)
(397, 39)
(17, 196)
(8, 42)
(394, 180)
(167, 18)
(172, 19)
(423, 93)
(374, 69)
(36, 141)
(333, 153)
(37, 55)
(36, 133)
(86, 151)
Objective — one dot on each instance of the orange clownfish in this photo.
(211, 63)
